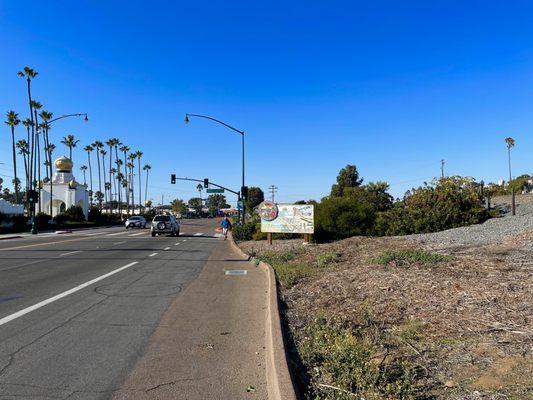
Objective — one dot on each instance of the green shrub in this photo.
(328, 258)
(244, 232)
(42, 220)
(408, 257)
(344, 364)
(61, 218)
(20, 223)
(353, 213)
(446, 203)
(75, 214)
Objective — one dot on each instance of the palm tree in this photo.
(103, 152)
(118, 143)
(83, 169)
(46, 116)
(70, 142)
(89, 149)
(139, 154)
(98, 146)
(146, 168)
(34, 165)
(510, 144)
(50, 149)
(13, 120)
(132, 158)
(22, 145)
(124, 149)
(120, 177)
(112, 184)
(27, 124)
(29, 74)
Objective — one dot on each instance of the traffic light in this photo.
(33, 196)
(244, 192)
(206, 183)
(173, 179)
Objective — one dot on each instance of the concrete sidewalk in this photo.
(210, 343)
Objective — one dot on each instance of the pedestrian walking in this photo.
(226, 226)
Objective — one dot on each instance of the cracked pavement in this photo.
(92, 343)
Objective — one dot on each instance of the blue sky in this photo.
(393, 87)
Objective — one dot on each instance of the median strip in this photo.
(43, 303)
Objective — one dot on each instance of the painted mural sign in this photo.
(290, 218)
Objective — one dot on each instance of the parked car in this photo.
(165, 224)
(136, 222)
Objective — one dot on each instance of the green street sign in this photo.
(215, 190)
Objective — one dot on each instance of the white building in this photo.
(66, 192)
(10, 208)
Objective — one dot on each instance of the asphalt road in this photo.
(77, 310)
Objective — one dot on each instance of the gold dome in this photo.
(72, 184)
(64, 164)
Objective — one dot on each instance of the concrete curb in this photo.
(10, 237)
(279, 380)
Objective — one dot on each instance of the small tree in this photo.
(215, 202)
(255, 197)
(196, 204)
(178, 206)
(348, 178)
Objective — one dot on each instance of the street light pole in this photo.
(242, 145)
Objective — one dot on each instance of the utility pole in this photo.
(442, 168)
(273, 189)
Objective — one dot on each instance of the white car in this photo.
(136, 222)
(165, 224)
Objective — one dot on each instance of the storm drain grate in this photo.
(237, 272)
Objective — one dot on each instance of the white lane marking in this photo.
(70, 252)
(115, 234)
(153, 254)
(167, 248)
(43, 303)
(93, 234)
(219, 235)
(120, 242)
(199, 234)
(175, 244)
(139, 234)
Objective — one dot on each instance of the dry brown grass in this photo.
(475, 312)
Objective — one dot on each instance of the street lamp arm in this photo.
(213, 119)
(66, 116)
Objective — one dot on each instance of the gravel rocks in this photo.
(493, 231)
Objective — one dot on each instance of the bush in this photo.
(42, 220)
(61, 218)
(20, 223)
(446, 203)
(244, 232)
(342, 217)
(75, 214)
(411, 256)
(344, 364)
(328, 258)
